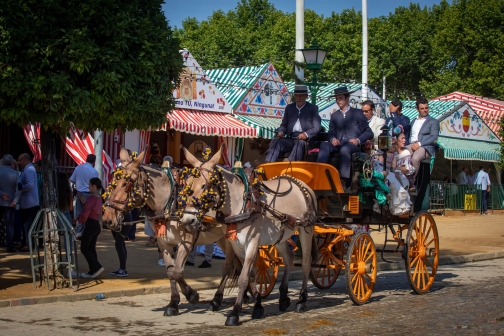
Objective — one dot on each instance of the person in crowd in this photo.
(462, 177)
(397, 118)
(155, 156)
(29, 202)
(483, 183)
(348, 129)
(424, 135)
(120, 246)
(90, 216)
(470, 177)
(80, 178)
(375, 123)
(209, 250)
(9, 198)
(301, 122)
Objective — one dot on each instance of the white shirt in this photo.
(346, 110)
(81, 176)
(482, 179)
(297, 126)
(415, 130)
(462, 178)
(376, 123)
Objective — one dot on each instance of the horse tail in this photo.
(234, 274)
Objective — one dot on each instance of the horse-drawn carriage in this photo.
(342, 231)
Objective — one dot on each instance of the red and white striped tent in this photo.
(32, 135)
(490, 110)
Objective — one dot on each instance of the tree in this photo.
(98, 64)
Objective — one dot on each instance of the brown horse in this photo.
(136, 185)
(224, 191)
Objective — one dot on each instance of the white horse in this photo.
(224, 191)
(138, 185)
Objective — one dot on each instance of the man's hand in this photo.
(415, 146)
(5, 197)
(302, 136)
(13, 204)
(335, 142)
(280, 134)
(354, 141)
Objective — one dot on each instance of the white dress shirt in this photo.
(297, 126)
(415, 130)
(462, 178)
(482, 179)
(81, 176)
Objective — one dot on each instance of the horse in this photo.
(287, 205)
(137, 185)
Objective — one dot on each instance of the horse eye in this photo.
(203, 186)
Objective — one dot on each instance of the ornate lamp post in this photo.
(314, 57)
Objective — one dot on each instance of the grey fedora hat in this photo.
(300, 89)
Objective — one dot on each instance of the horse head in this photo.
(126, 190)
(201, 194)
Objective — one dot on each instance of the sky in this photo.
(178, 10)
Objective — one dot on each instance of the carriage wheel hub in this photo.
(361, 268)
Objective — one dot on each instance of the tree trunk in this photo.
(50, 201)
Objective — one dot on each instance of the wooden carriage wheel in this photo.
(325, 270)
(422, 252)
(360, 268)
(266, 269)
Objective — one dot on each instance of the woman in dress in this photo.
(402, 162)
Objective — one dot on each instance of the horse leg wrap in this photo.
(284, 301)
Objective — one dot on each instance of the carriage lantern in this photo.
(384, 140)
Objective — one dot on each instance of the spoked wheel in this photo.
(266, 269)
(361, 268)
(422, 257)
(325, 270)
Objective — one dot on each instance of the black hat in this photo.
(341, 90)
(300, 89)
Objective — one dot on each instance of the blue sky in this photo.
(177, 10)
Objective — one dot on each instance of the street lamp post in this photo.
(314, 57)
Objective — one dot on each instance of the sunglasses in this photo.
(366, 110)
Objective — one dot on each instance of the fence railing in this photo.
(463, 197)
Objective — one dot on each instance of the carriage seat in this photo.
(321, 136)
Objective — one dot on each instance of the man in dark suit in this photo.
(424, 135)
(348, 129)
(301, 122)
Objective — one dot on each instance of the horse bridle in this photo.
(130, 184)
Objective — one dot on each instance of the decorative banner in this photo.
(268, 96)
(355, 102)
(466, 124)
(196, 91)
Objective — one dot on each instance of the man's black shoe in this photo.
(187, 263)
(205, 264)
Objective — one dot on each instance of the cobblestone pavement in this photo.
(466, 299)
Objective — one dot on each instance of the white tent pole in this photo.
(364, 51)
(299, 37)
(98, 150)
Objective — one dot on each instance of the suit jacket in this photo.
(376, 123)
(428, 135)
(355, 124)
(9, 180)
(309, 119)
(402, 120)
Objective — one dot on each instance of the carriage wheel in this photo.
(325, 271)
(361, 268)
(422, 255)
(266, 269)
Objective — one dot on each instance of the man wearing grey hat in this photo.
(301, 122)
(9, 197)
(348, 129)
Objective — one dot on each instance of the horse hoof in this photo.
(215, 305)
(232, 321)
(300, 308)
(171, 311)
(258, 313)
(194, 298)
(284, 304)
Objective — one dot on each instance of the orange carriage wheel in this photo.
(266, 269)
(422, 257)
(326, 269)
(360, 269)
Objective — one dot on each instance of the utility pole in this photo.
(299, 38)
(384, 93)
(98, 150)
(364, 51)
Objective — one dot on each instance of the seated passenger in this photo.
(301, 122)
(402, 161)
(348, 129)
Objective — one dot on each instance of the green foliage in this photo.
(421, 51)
(97, 63)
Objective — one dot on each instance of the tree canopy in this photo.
(426, 51)
(97, 63)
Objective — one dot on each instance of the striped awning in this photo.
(463, 149)
(209, 123)
(266, 126)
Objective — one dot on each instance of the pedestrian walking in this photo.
(90, 216)
(80, 178)
(29, 202)
(9, 197)
(483, 183)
